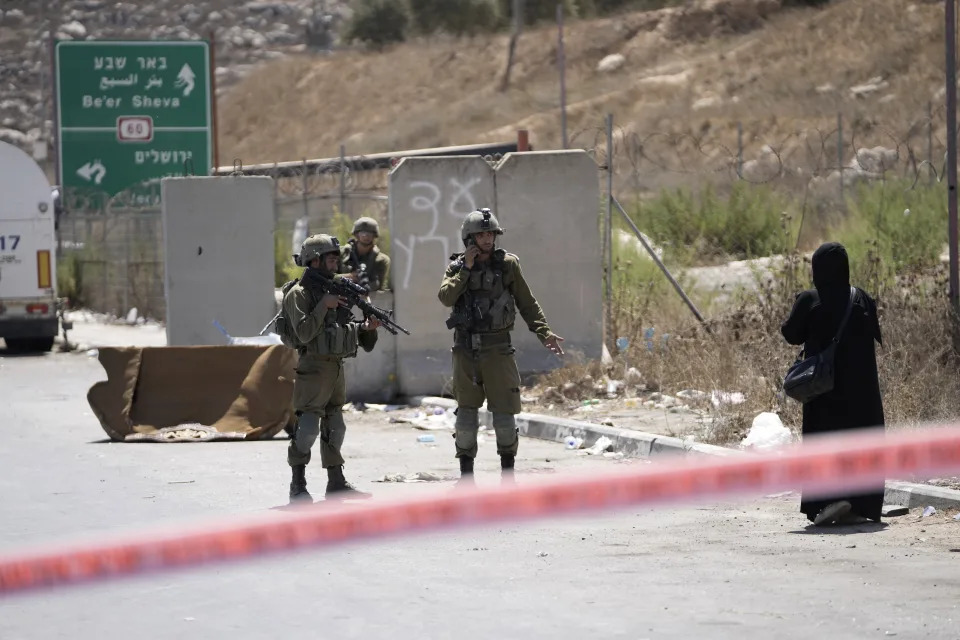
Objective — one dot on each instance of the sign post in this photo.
(131, 112)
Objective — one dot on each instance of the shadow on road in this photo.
(842, 529)
(17, 353)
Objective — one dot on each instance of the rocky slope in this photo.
(244, 32)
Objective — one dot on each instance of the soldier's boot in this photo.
(298, 485)
(506, 469)
(339, 489)
(465, 432)
(508, 440)
(466, 472)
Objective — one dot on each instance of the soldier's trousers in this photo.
(319, 393)
(491, 376)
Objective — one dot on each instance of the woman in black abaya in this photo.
(855, 401)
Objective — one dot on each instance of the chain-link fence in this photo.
(818, 177)
(823, 159)
(111, 248)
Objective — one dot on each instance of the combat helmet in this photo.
(316, 246)
(366, 224)
(478, 221)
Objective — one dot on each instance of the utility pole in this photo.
(562, 65)
(951, 86)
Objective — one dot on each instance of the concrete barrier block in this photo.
(371, 377)
(548, 202)
(218, 256)
(429, 197)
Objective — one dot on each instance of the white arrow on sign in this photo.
(88, 170)
(185, 80)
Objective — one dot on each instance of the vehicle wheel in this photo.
(17, 345)
(26, 345)
(41, 344)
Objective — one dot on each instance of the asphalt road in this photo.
(748, 569)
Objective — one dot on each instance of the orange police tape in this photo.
(834, 463)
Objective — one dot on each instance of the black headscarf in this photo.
(831, 270)
(831, 278)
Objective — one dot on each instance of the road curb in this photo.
(639, 444)
(634, 444)
(911, 495)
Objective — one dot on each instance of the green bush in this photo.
(341, 225)
(377, 23)
(745, 223)
(883, 240)
(70, 279)
(284, 268)
(457, 17)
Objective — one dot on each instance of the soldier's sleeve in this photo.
(527, 305)
(383, 264)
(367, 339)
(307, 323)
(453, 285)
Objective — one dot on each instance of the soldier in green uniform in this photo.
(485, 287)
(361, 260)
(326, 333)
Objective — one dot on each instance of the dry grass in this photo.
(443, 91)
(744, 352)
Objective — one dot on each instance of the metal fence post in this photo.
(930, 169)
(608, 221)
(303, 186)
(840, 155)
(951, 86)
(125, 274)
(739, 150)
(562, 64)
(343, 177)
(103, 261)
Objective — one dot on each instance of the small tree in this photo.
(377, 23)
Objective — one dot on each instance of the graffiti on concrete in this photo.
(455, 199)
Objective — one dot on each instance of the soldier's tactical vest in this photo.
(489, 294)
(339, 336)
(355, 263)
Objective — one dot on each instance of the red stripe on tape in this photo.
(835, 463)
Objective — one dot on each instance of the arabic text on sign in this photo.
(109, 83)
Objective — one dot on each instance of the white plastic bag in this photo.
(766, 433)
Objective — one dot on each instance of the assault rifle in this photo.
(355, 295)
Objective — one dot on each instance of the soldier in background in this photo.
(361, 259)
(485, 287)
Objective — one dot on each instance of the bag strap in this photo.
(846, 315)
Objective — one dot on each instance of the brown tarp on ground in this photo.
(163, 393)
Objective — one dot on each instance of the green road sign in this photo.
(129, 112)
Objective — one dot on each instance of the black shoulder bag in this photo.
(813, 376)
